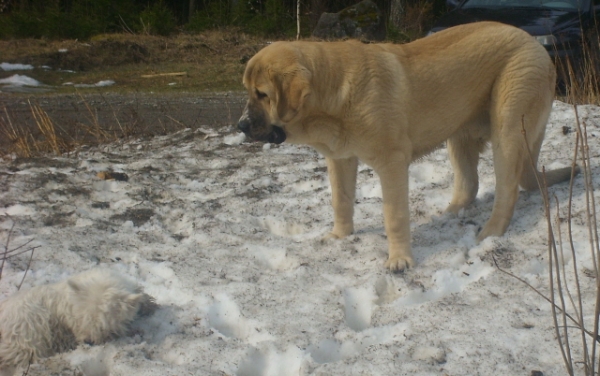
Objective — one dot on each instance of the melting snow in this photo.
(11, 67)
(226, 236)
(19, 80)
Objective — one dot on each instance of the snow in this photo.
(97, 84)
(226, 235)
(11, 67)
(19, 80)
(22, 83)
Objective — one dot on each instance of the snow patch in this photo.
(234, 139)
(13, 67)
(18, 80)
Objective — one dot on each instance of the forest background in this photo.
(82, 19)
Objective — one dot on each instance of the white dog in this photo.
(90, 307)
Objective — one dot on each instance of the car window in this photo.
(555, 4)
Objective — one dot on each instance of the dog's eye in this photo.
(260, 94)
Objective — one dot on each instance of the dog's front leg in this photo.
(342, 177)
(393, 173)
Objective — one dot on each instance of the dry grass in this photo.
(582, 77)
(418, 17)
(10, 250)
(415, 19)
(21, 140)
(51, 139)
(26, 144)
(212, 61)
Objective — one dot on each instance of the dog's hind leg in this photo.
(507, 168)
(513, 114)
(342, 176)
(464, 156)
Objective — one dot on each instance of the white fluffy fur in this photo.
(89, 307)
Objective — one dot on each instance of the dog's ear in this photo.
(291, 91)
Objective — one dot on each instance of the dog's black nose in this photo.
(244, 125)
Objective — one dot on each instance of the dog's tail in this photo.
(532, 179)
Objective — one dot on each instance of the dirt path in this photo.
(137, 114)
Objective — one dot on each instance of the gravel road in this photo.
(136, 113)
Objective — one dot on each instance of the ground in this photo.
(132, 114)
(227, 236)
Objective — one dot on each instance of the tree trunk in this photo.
(192, 10)
(396, 12)
(298, 19)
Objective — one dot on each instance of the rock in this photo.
(359, 21)
(110, 175)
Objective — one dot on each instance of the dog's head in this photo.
(278, 85)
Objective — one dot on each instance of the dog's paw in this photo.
(398, 264)
(331, 236)
(337, 234)
(489, 231)
(453, 209)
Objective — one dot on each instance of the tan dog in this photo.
(388, 105)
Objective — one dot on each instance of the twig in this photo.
(27, 268)
(563, 263)
(176, 121)
(20, 253)
(297, 19)
(584, 344)
(28, 366)
(124, 25)
(595, 337)
(552, 255)
(590, 211)
(163, 74)
(8, 252)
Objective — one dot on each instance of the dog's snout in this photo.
(244, 124)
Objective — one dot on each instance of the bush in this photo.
(214, 15)
(75, 24)
(25, 25)
(75, 19)
(157, 19)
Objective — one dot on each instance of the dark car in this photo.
(563, 27)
